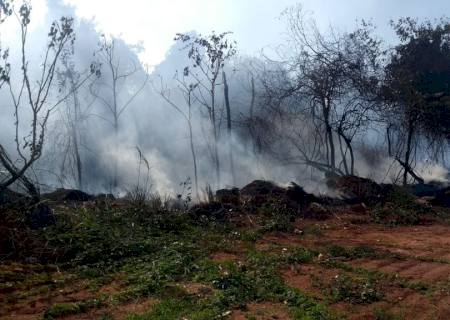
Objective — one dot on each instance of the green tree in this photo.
(417, 90)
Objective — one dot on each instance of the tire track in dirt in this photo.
(431, 242)
(415, 270)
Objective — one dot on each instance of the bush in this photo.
(400, 208)
(354, 290)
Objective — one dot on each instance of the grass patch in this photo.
(336, 251)
(400, 208)
(64, 309)
(354, 289)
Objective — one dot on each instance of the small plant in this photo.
(381, 314)
(351, 253)
(354, 290)
(400, 208)
(279, 223)
(300, 255)
(139, 194)
(158, 203)
(184, 197)
(64, 309)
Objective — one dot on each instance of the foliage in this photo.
(351, 253)
(401, 208)
(354, 290)
(65, 309)
(417, 91)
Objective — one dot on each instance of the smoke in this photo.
(152, 125)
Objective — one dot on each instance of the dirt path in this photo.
(412, 265)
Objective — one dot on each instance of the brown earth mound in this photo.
(67, 195)
(358, 190)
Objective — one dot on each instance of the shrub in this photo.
(354, 290)
(400, 208)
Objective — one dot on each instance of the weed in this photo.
(381, 314)
(64, 309)
(352, 253)
(182, 308)
(354, 290)
(400, 209)
(299, 255)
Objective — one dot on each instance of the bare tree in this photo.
(36, 96)
(230, 138)
(208, 56)
(325, 80)
(109, 90)
(72, 119)
(186, 89)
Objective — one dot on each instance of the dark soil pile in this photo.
(67, 195)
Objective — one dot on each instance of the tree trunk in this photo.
(191, 142)
(329, 134)
(78, 161)
(18, 175)
(116, 126)
(215, 133)
(228, 109)
(79, 165)
(343, 155)
(407, 169)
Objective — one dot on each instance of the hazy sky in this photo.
(255, 23)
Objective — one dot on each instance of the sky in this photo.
(256, 23)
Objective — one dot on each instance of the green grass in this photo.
(355, 290)
(63, 309)
(400, 208)
(152, 252)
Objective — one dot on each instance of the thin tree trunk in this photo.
(252, 102)
(116, 137)
(79, 165)
(191, 142)
(344, 155)
(17, 175)
(228, 109)
(194, 160)
(78, 161)
(215, 133)
(329, 135)
(408, 152)
(251, 124)
(116, 124)
(352, 156)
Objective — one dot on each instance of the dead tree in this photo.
(35, 96)
(208, 56)
(324, 79)
(187, 91)
(72, 119)
(228, 111)
(108, 90)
